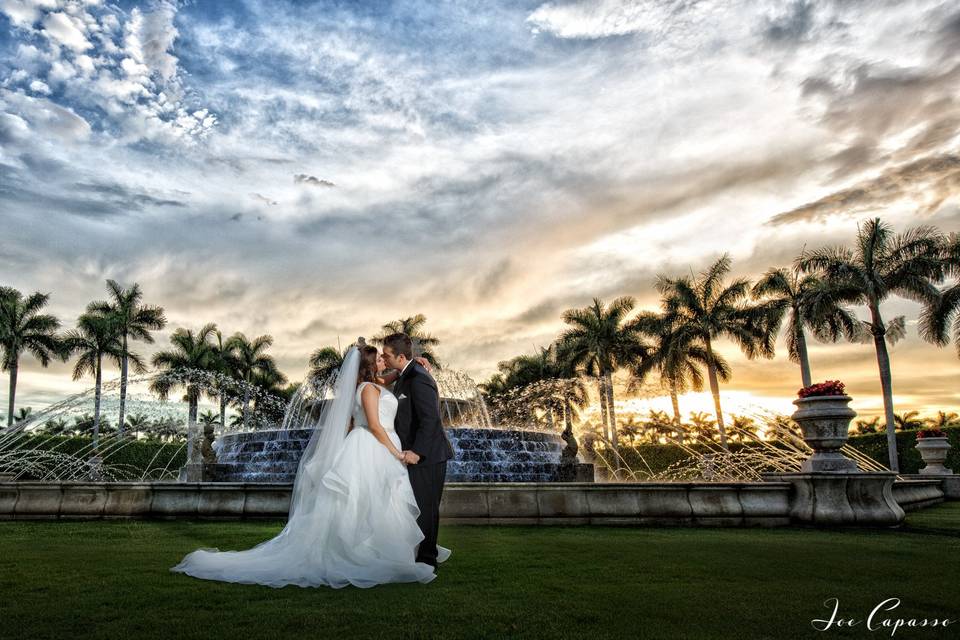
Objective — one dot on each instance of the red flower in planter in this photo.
(931, 433)
(828, 388)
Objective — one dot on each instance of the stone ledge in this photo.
(735, 504)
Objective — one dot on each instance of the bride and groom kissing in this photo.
(365, 507)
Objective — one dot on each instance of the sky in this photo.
(313, 170)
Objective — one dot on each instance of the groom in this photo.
(426, 448)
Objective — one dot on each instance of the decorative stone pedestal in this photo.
(934, 453)
(825, 423)
(842, 499)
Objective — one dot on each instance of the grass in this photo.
(110, 579)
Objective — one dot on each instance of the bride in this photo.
(353, 516)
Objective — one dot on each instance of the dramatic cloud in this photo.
(312, 171)
(313, 181)
(929, 182)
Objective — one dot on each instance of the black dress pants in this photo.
(427, 482)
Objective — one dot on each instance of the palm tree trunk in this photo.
(886, 384)
(123, 387)
(96, 405)
(13, 391)
(715, 390)
(675, 401)
(804, 358)
(611, 415)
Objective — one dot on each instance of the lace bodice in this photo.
(387, 406)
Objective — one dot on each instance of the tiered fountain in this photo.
(483, 452)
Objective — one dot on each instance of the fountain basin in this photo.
(482, 455)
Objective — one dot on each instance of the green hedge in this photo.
(131, 457)
(659, 457)
(874, 445)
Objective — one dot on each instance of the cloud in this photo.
(313, 181)
(793, 26)
(261, 198)
(66, 31)
(126, 197)
(928, 182)
(38, 86)
(46, 116)
(604, 18)
(24, 13)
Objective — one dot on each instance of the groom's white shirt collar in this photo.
(409, 362)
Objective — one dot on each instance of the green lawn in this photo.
(111, 580)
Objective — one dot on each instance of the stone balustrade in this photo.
(773, 503)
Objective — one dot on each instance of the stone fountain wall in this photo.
(482, 455)
(734, 504)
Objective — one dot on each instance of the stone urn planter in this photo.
(933, 449)
(825, 423)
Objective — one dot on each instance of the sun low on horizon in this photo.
(313, 171)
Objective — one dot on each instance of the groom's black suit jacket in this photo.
(418, 416)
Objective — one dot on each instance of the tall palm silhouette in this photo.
(191, 353)
(135, 321)
(424, 343)
(96, 337)
(882, 263)
(805, 301)
(708, 309)
(24, 328)
(600, 341)
(252, 364)
(678, 356)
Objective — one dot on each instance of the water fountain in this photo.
(483, 452)
(507, 470)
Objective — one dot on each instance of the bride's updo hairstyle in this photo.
(368, 364)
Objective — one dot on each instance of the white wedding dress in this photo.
(357, 525)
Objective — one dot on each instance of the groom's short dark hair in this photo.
(400, 344)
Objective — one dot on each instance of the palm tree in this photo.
(137, 423)
(209, 419)
(24, 328)
(881, 264)
(250, 361)
(599, 342)
(704, 427)
(678, 356)
(909, 421)
(808, 302)
(707, 310)
(23, 413)
(96, 336)
(135, 321)
(744, 427)
(192, 353)
(424, 343)
(324, 362)
(868, 426)
(942, 317)
(944, 420)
